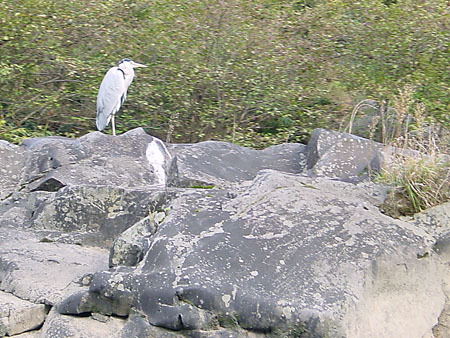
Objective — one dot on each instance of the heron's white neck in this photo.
(126, 68)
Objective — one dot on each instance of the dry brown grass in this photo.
(417, 182)
(417, 160)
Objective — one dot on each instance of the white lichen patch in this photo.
(115, 211)
(116, 282)
(159, 216)
(183, 245)
(287, 312)
(226, 299)
(268, 235)
(214, 230)
(233, 293)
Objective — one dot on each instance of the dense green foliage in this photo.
(252, 72)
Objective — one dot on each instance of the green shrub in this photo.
(17, 135)
(255, 73)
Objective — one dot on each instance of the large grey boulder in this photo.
(96, 326)
(290, 254)
(343, 156)
(437, 222)
(94, 215)
(435, 219)
(95, 159)
(221, 164)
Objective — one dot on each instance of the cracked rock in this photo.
(18, 315)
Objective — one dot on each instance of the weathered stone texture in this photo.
(17, 315)
(125, 237)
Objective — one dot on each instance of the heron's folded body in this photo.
(113, 91)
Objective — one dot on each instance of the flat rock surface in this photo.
(44, 272)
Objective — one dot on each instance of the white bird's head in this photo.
(129, 64)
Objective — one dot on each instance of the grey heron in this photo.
(113, 91)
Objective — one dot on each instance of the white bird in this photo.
(113, 91)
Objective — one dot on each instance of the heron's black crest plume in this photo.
(124, 60)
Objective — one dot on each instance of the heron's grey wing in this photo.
(110, 96)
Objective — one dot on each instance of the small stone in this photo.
(99, 317)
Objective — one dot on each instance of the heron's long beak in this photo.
(135, 64)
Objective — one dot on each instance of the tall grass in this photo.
(417, 160)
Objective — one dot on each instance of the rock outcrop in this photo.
(127, 237)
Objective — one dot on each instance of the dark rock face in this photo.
(343, 156)
(213, 240)
(94, 159)
(100, 213)
(216, 259)
(222, 164)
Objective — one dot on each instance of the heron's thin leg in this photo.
(113, 123)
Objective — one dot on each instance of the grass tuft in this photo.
(417, 183)
(417, 160)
